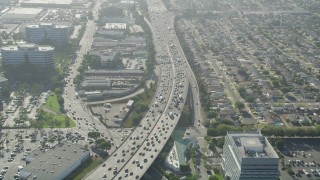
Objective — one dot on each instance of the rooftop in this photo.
(47, 1)
(97, 82)
(27, 46)
(28, 11)
(46, 24)
(49, 165)
(123, 71)
(253, 145)
(118, 26)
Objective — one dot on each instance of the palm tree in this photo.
(7, 141)
(16, 136)
(1, 144)
(1, 148)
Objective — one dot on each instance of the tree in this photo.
(239, 105)
(94, 135)
(279, 143)
(43, 143)
(57, 123)
(212, 114)
(242, 91)
(213, 177)
(290, 171)
(244, 72)
(66, 122)
(220, 142)
(103, 144)
(90, 15)
(185, 168)
(58, 90)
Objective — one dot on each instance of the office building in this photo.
(249, 156)
(57, 163)
(58, 35)
(34, 54)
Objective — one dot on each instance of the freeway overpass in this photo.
(134, 156)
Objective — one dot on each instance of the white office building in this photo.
(34, 54)
(249, 156)
(57, 34)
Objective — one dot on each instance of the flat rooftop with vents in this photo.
(249, 156)
(56, 163)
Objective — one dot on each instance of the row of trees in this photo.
(270, 130)
(221, 129)
(204, 95)
(141, 105)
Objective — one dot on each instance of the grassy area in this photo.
(137, 114)
(304, 105)
(47, 120)
(52, 103)
(219, 175)
(261, 125)
(84, 169)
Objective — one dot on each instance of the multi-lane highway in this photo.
(138, 151)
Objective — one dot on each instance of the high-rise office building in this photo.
(56, 34)
(34, 54)
(249, 156)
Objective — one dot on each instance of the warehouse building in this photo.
(55, 164)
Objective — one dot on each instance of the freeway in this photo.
(138, 151)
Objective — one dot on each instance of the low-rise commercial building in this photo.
(122, 73)
(19, 14)
(53, 3)
(57, 163)
(128, 44)
(249, 156)
(106, 56)
(97, 84)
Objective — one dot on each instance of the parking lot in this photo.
(303, 156)
(136, 63)
(112, 114)
(14, 149)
